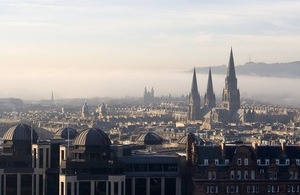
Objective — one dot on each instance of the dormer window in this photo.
(226, 162)
(246, 161)
(267, 161)
(216, 162)
(205, 161)
(239, 161)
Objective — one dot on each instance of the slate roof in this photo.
(21, 132)
(92, 137)
(65, 133)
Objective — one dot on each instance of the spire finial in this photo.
(194, 82)
(231, 68)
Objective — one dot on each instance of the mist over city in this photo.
(131, 83)
(147, 97)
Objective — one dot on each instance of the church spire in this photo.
(231, 69)
(209, 97)
(231, 94)
(194, 100)
(194, 82)
(209, 82)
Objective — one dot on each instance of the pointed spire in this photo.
(231, 68)
(52, 97)
(209, 97)
(209, 82)
(194, 82)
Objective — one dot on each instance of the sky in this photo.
(84, 48)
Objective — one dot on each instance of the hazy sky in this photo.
(52, 43)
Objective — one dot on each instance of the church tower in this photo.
(194, 100)
(84, 110)
(209, 97)
(231, 94)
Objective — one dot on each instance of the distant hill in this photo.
(284, 70)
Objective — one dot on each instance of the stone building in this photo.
(238, 168)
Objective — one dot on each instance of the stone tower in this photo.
(85, 110)
(209, 97)
(231, 94)
(194, 112)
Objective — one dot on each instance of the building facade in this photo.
(238, 168)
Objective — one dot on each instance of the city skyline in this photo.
(47, 43)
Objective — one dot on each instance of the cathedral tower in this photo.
(194, 100)
(231, 94)
(209, 97)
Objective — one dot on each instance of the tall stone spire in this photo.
(52, 97)
(194, 100)
(209, 97)
(194, 82)
(231, 94)
(231, 69)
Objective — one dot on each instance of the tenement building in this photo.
(238, 168)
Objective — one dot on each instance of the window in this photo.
(155, 167)
(261, 171)
(62, 155)
(239, 174)
(216, 162)
(246, 174)
(226, 162)
(211, 189)
(248, 189)
(170, 167)
(253, 174)
(277, 162)
(291, 175)
(41, 158)
(239, 161)
(267, 161)
(297, 161)
(205, 161)
(214, 175)
(257, 189)
(246, 161)
(258, 162)
(287, 161)
(231, 174)
(62, 190)
(209, 175)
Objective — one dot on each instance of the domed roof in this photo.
(21, 132)
(92, 137)
(149, 138)
(65, 133)
(183, 140)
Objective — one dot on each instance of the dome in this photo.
(183, 140)
(21, 132)
(149, 138)
(65, 133)
(92, 137)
